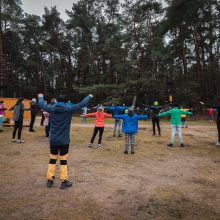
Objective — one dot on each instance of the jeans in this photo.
(174, 129)
(117, 123)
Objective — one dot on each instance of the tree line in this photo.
(113, 49)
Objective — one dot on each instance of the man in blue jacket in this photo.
(60, 121)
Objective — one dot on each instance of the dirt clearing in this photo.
(155, 183)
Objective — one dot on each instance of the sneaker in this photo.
(119, 135)
(20, 141)
(99, 146)
(125, 152)
(49, 183)
(65, 184)
(132, 152)
(90, 145)
(218, 143)
(182, 145)
(170, 145)
(32, 130)
(13, 140)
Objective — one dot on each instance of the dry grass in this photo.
(155, 183)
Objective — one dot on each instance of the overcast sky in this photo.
(37, 6)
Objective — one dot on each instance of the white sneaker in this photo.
(20, 141)
(90, 145)
(218, 143)
(13, 140)
(99, 146)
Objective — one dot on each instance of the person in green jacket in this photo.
(175, 117)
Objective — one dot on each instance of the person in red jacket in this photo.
(100, 116)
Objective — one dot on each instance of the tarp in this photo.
(9, 102)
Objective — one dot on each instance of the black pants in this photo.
(33, 117)
(96, 129)
(47, 130)
(18, 126)
(218, 127)
(154, 122)
(59, 150)
(42, 119)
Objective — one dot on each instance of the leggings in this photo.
(18, 126)
(96, 129)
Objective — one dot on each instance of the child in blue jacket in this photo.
(130, 127)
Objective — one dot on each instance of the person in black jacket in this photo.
(18, 117)
(217, 108)
(155, 120)
(34, 110)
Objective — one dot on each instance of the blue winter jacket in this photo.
(130, 123)
(60, 119)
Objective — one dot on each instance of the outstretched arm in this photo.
(107, 115)
(81, 104)
(89, 115)
(186, 113)
(164, 106)
(142, 117)
(119, 116)
(210, 106)
(164, 114)
(42, 105)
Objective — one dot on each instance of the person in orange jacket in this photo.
(100, 116)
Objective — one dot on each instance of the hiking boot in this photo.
(20, 141)
(170, 145)
(99, 146)
(49, 183)
(13, 140)
(182, 145)
(132, 152)
(125, 152)
(90, 145)
(65, 184)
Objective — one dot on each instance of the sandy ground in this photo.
(156, 183)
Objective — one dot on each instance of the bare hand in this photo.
(40, 95)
